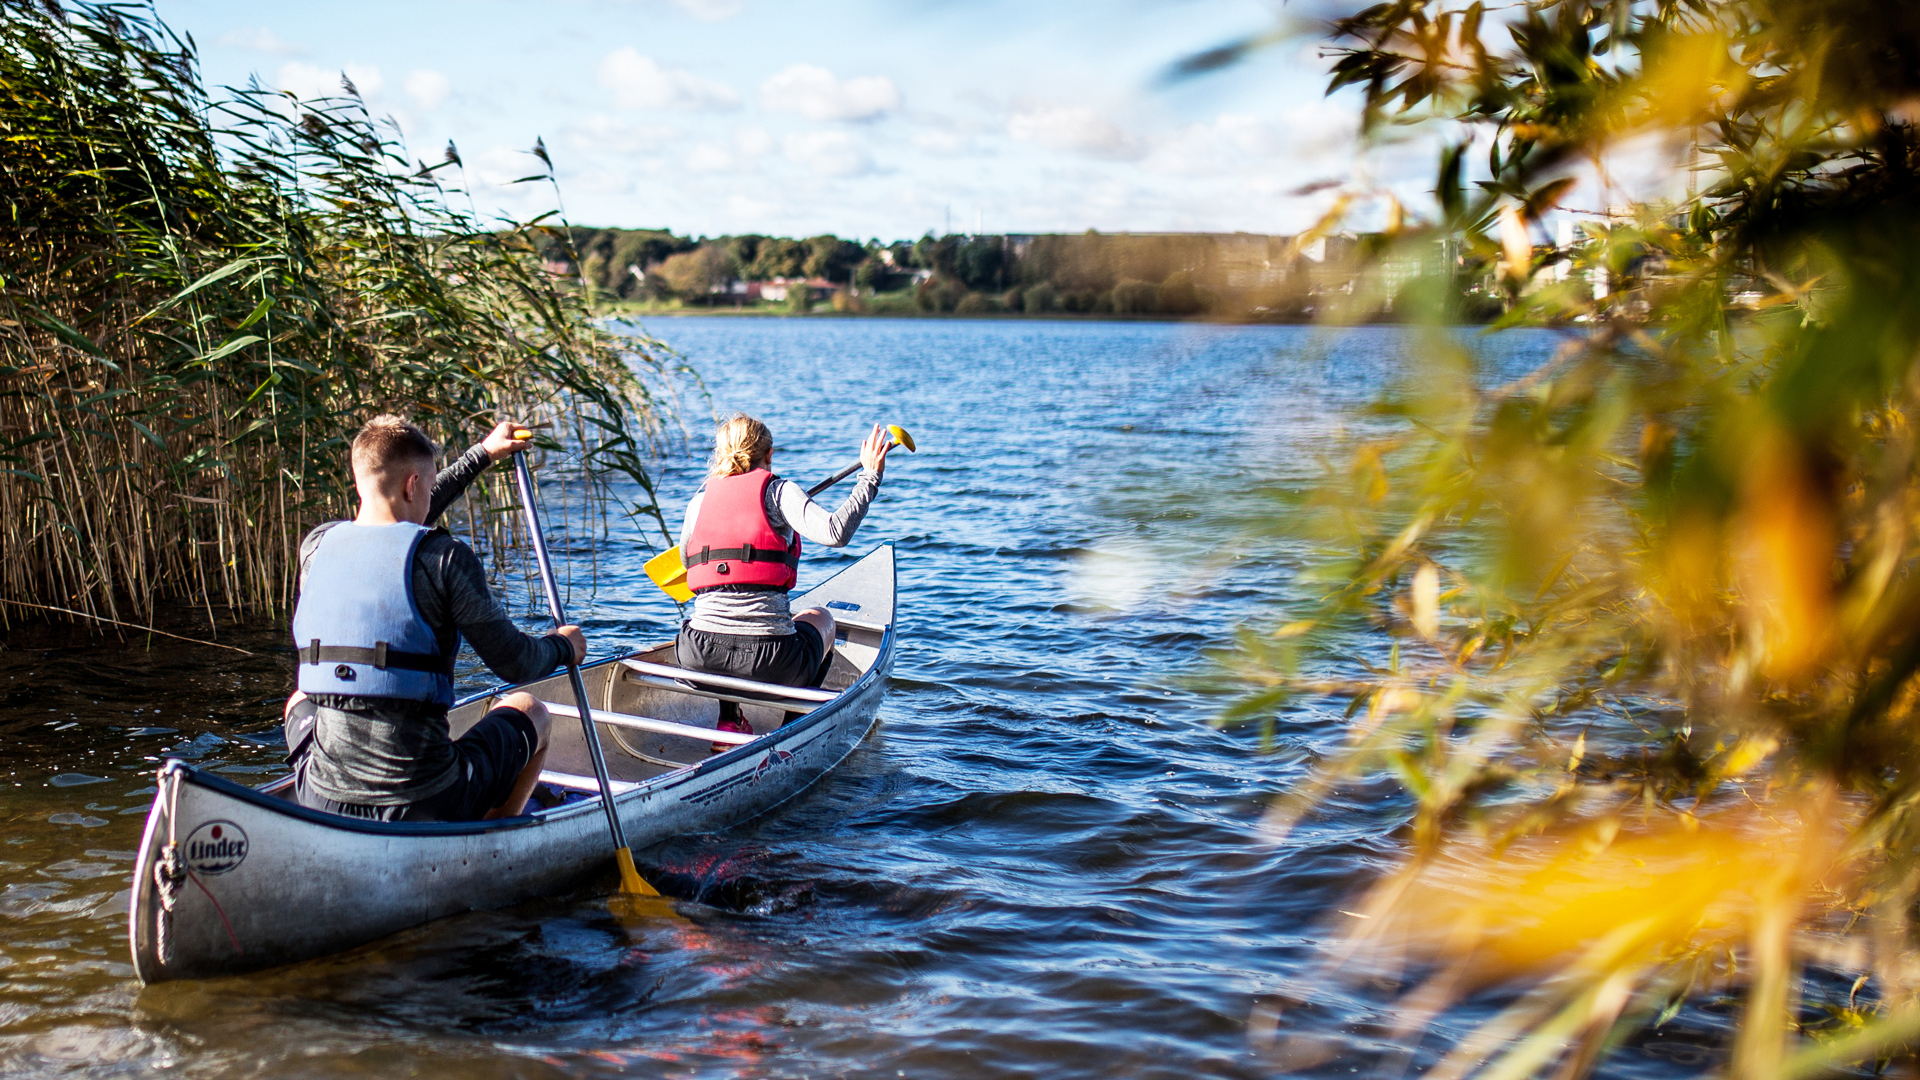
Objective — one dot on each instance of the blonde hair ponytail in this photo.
(741, 444)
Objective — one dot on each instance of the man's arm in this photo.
(455, 478)
(456, 576)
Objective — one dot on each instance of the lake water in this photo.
(1043, 861)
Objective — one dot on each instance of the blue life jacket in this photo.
(357, 629)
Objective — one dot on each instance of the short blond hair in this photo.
(740, 444)
(388, 441)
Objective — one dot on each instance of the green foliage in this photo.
(694, 275)
(1178, 296)
(1667, 578)
(777, 257)
(832, 258)
(201, 299)
(1134, 297)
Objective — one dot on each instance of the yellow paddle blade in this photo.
(668, 572)
(630, 879)
(900, 436)
(637, 901)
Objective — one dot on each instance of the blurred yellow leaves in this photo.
(1599, 892)
(1426, 601)
(1726, 610)
(1689, 77)
(1600, 906)
(1516, 247)
(1785, 547)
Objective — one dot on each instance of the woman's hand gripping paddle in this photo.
(670, 573)
(634, 889)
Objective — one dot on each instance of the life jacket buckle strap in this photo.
(380, 655)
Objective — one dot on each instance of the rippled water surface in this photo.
(1043, 861)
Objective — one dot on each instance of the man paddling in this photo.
(384, 602)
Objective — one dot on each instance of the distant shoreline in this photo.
(637, 314)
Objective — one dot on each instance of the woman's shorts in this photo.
(793, 660)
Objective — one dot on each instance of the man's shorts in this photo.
(488, 759)
(793, 660)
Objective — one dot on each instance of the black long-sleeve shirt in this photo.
(388, 752)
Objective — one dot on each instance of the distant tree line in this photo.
(1170, 274)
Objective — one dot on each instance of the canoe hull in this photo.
(259, 881)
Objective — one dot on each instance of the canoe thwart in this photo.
(791, 693)
(648, 723)
(740, 698)
(583, 783)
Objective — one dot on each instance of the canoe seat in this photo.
(582, 783)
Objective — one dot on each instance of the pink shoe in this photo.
(735, 723)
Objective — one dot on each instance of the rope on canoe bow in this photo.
(169, 872)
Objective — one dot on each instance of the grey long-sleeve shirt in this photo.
(387, 752)
(764, 613)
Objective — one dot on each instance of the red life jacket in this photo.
(733, 543)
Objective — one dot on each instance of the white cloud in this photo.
(1324, 127)
(817, 94)
(639, 82)
(747, 208)
(711, 10)
(601, 133)
(260, 39)
(749, 143)
(1073, 128)
(309, 81)
(711, 158)
(427, 88)
(753, 140)
(1229, 143)
(944, 143)
(602, 182)
(829, 153)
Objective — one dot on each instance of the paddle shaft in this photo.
(524, 478)
(832, 480)
(900, 438)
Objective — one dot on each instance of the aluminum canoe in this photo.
(233, 878)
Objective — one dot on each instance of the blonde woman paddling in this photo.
(741, 545)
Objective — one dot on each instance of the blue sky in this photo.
(858, 117)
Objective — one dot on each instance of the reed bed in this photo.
(203, 296)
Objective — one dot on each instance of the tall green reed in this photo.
(202, 297)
